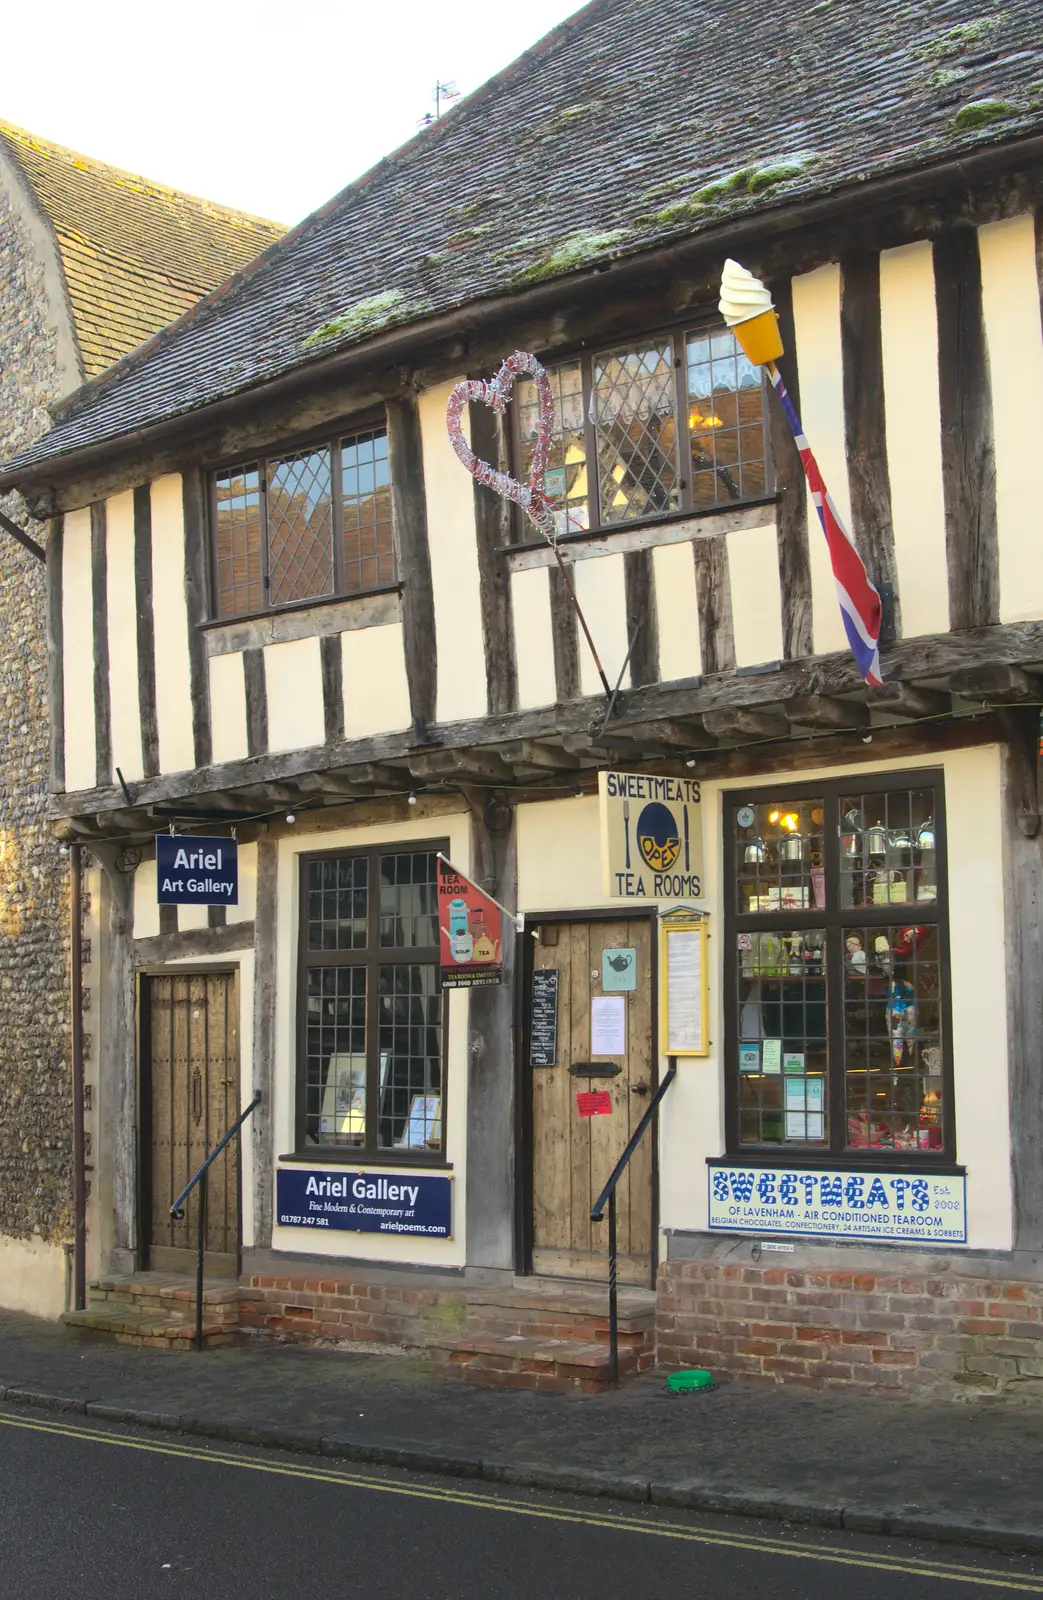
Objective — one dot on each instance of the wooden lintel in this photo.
(666, 731)
(193, 942)
(532, 753)
(746, 722)
(822, 711)
(995, 682)
(908, 700)
(461, 764)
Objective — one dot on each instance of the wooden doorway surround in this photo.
(564, 1159)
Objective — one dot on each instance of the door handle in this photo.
(639, 1088)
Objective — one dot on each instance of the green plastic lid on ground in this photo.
(693, 1378)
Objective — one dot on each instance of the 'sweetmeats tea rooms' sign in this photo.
(651, 836)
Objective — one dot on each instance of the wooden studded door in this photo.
(190, 1060)
(573, 1155)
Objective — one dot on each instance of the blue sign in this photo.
(927, 1208)
(193, 871)
(365, 1202)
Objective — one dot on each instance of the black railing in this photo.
(597, 1213)
(177, 1210)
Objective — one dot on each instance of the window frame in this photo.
(586, 354)
(835, 918)
(331, 439)
(372, 957)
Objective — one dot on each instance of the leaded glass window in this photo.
(370, 1073)
(837, 970)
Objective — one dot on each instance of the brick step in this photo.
(574, 1313)
(147, 1329)
(167, 1287)
(534, 1363)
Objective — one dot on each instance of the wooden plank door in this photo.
(573, 1156)
(191, 1061)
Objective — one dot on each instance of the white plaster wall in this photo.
(124, 710)
(368, 1246)
(454, 565)
(533, 637)
(293, 684)
(228, 707)
(78, 652)
(376, 692)
(173, 676)
(189, 917)
(146, 908)
(909, 338)
(246, 910)
(559, 869)
(753, 570)
(677, 611)
(32, 1277)
(816, 317)
(1011, 306)
(601, 591)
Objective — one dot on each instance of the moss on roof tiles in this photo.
(135, 254)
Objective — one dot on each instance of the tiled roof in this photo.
(135, 253)
(635, 123)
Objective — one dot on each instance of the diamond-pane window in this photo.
(300, 528)
(635, 424)
(303, 527)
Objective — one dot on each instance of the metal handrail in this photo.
(177, 1210)
(608, 1194)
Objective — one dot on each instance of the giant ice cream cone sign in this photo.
(747, 307)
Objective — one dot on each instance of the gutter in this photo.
(385, 349)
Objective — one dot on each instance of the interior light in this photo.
(790, 821)
(774, 816)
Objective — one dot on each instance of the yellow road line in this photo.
(911, 1565)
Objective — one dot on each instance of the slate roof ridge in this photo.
(71, 403)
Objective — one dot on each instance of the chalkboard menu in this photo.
(543, 1018)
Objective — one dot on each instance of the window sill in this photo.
(850, 1161)
(337, 1156)
(306, 620)
(677, 528)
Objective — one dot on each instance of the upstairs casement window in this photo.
(652, 428)
(307, 526)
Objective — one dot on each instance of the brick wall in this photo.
(947, 1335)
(350, 1308)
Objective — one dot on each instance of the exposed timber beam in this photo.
(740, 721)
(995, 682)
(908, 700)
(822, 711)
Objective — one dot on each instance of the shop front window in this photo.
(370, 1066)
(837, 969)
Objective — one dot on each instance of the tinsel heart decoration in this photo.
(496, 392)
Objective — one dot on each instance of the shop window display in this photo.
(837, 968)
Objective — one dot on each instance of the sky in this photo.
(268, 107)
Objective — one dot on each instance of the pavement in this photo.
(968, 1473)
(111, 1512)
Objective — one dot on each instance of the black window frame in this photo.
(372, 957)
(835, 919)
(678, 330)
(331, 439)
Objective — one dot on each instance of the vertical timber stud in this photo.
(714, 598)
(55, 652)
(264, 1035)
(117, 1055)
(100, 607)
(146, 630)
(79, 1173)
(642, 621)
(256, 702)
(332, 660)
(492, 520)
(564, 635)
(865, 436)
(196, 605)
(968, 455)
(791, 514)
(413, 555)
(490, 1058)
(1023, 905)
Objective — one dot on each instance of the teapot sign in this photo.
(470, 934)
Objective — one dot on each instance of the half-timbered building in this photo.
(280, 607)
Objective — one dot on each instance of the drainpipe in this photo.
(79, 1175)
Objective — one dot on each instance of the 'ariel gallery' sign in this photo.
(651, 836)
(923, 1208)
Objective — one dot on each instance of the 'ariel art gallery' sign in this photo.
(926, 1208)
(651, 836)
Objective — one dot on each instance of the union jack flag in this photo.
(859, 600)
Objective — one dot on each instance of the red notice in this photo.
(594, 1103)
